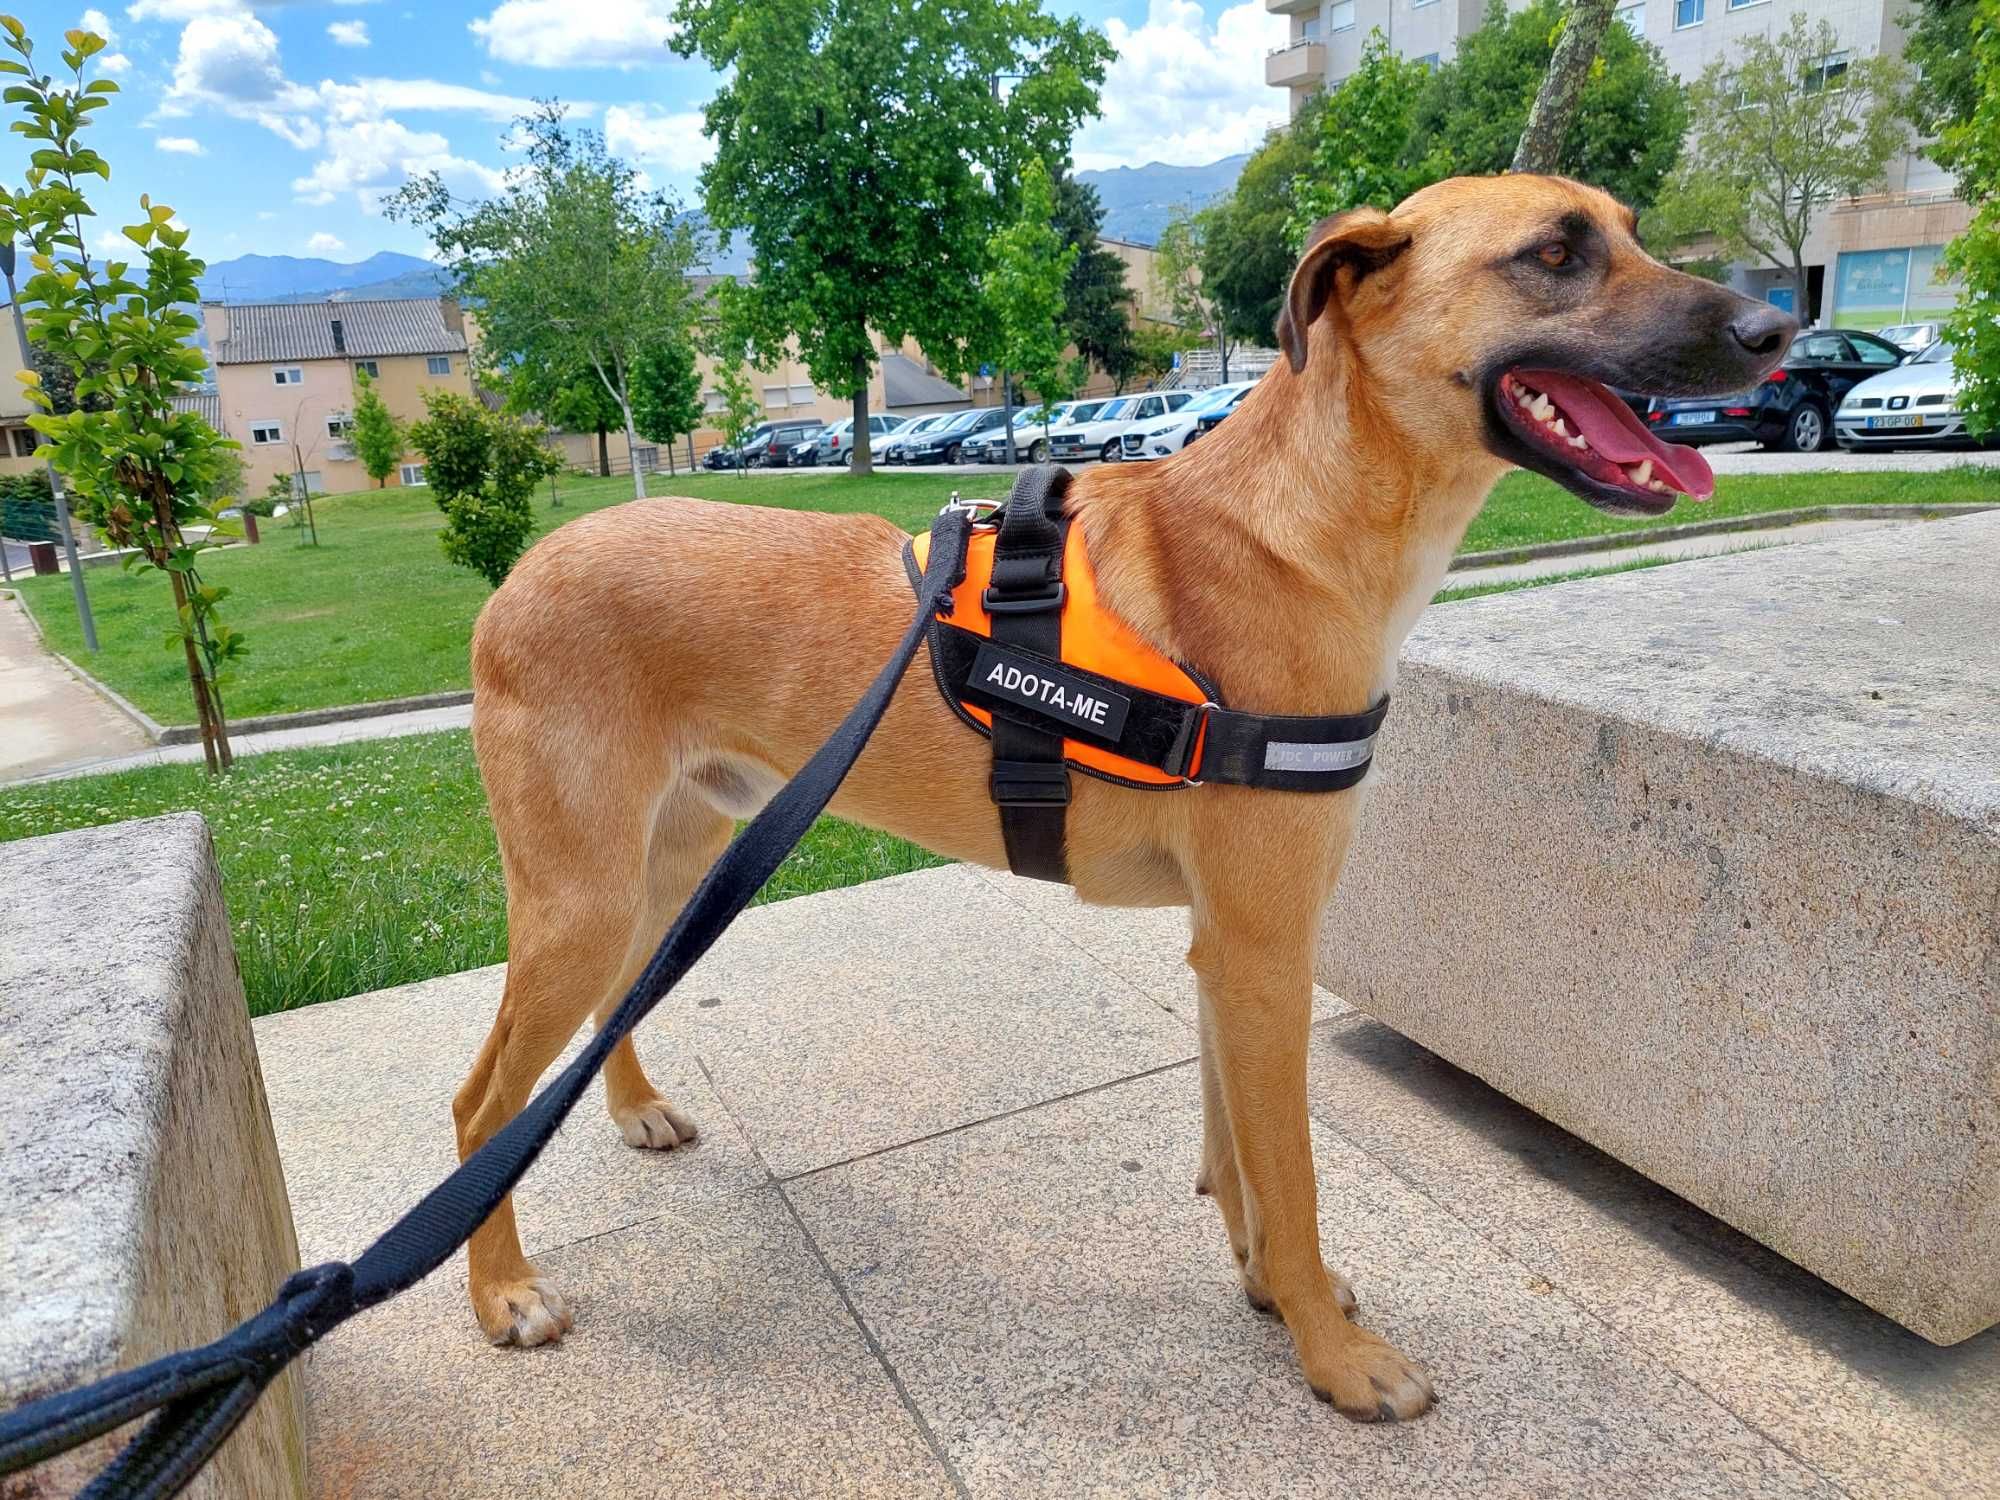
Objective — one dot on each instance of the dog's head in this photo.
(1499, 309)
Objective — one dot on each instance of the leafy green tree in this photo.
(141, 468)
(573, 267)
(482, 468)
(1358, 142)
(857, 147)
(1155, 345)
(666, 394)
(1177, 275)
(1629, 116)
(1027, 275)
(377, 439)
(1246, 256)
(1775, 140)
(1971, 148)
(1942, 47)
(1096, 302)
(739, 406)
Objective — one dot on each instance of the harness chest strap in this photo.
(1028, 655)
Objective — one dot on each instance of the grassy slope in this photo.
(376, 612)
(367, 865)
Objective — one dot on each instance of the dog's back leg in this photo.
(598, 857)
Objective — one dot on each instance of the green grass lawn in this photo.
(354, 868)
(376, 612)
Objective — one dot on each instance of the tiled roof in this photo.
(907, 383)
(205, 404)
(262, 332)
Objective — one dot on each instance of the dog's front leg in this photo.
(1255, 971)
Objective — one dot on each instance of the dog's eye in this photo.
(1554, 255)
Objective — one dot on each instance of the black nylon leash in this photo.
(199, 1395)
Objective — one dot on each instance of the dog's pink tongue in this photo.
(1618, 434)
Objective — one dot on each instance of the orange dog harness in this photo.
(1028, 655)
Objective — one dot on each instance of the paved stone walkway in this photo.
(51, 718)
(938, 1238)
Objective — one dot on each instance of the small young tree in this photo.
(482, 470)
(1155, 345)
(739, 405)
(1027, 274)
(1361, 134)
(377, 438)
(1781, 130)
(140, 467)
(666, 394)
(1177, 261)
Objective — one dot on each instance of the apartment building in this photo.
(285, 380)
(17, 438)
(1872, 261)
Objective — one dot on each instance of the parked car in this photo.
(1030, 440)
(1098, 436)
(1793, 408)
(941, 444)
(722, 456)
(891, 451)
(1911, 337)
(1915, 404)
(1208, 421)
(774, 449)
(1150, 440)
(835, 446)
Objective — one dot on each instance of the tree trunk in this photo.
(1802, 292)
(1549, 120)
(215, 750)
(603, 451)
(861, 460)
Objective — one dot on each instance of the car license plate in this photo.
(1913, 419)
(1693, 418)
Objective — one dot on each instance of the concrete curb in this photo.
(1769, 520)
(189, 734)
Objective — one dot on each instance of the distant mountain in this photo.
(1138, 200)
(290, 278)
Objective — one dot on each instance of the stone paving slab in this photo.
(1017, 1295)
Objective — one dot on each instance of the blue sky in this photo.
(274, 126)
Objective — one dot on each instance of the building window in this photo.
(1826, 73)
(803, 395)
(776, 397)
(288, 375)
(1634, 16)
(339, 425)
(1420, 4)
(1746, 4)
(369, 368)
(1689, 13)
(439, 364)
(262, 433)
(413, 473)
(712, 401)
(24, 442)
(312, 482)
(1340, 15)
(1428, 60)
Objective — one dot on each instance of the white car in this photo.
(1098, 436)
(1030, 441)
(1917, 402)
(885, 454)
(1911, 336)
(1151, 440)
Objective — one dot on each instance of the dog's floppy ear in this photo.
(1365, 238)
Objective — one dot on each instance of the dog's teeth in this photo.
(1527, 399)
(1561, 431)
(1543, 407)
(1579, 441)
(1644, 473)
(1657, 486)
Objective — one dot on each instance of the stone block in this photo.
(1702, 863)
(145, 1204)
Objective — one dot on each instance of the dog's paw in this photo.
(1370, 1380)
(522, 1313)
(1263, 1302)
(654, 1125)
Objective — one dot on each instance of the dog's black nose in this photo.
(1763, 329)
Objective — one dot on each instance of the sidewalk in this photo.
(938, 1237)
(51, 718)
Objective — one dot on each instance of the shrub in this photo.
(482, 469)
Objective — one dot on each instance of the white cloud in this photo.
(179, 10)
(348, 33)
(365, 157)
(229, 59)
(180, 145)
(429, 93)
(113, 64)
(99, 22)
(668, 139)
(564, 34)
(325, 244)
(1183, 92)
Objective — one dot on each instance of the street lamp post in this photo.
(55, 480)
(1006, 394)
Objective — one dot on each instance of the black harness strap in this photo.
(1024, 599)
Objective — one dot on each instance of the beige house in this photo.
(285, 379)
(17, 438)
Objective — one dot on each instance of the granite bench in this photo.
(1702, 863)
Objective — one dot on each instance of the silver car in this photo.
(835, 446)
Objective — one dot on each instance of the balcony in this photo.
(1302, 64)
(1291, 7)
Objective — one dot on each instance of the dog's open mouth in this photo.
(1585, 433)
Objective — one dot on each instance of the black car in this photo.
(773, 450)
(1213, 420)
(941, 444)
(1793, 409)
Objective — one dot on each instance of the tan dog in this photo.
(652, 672)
